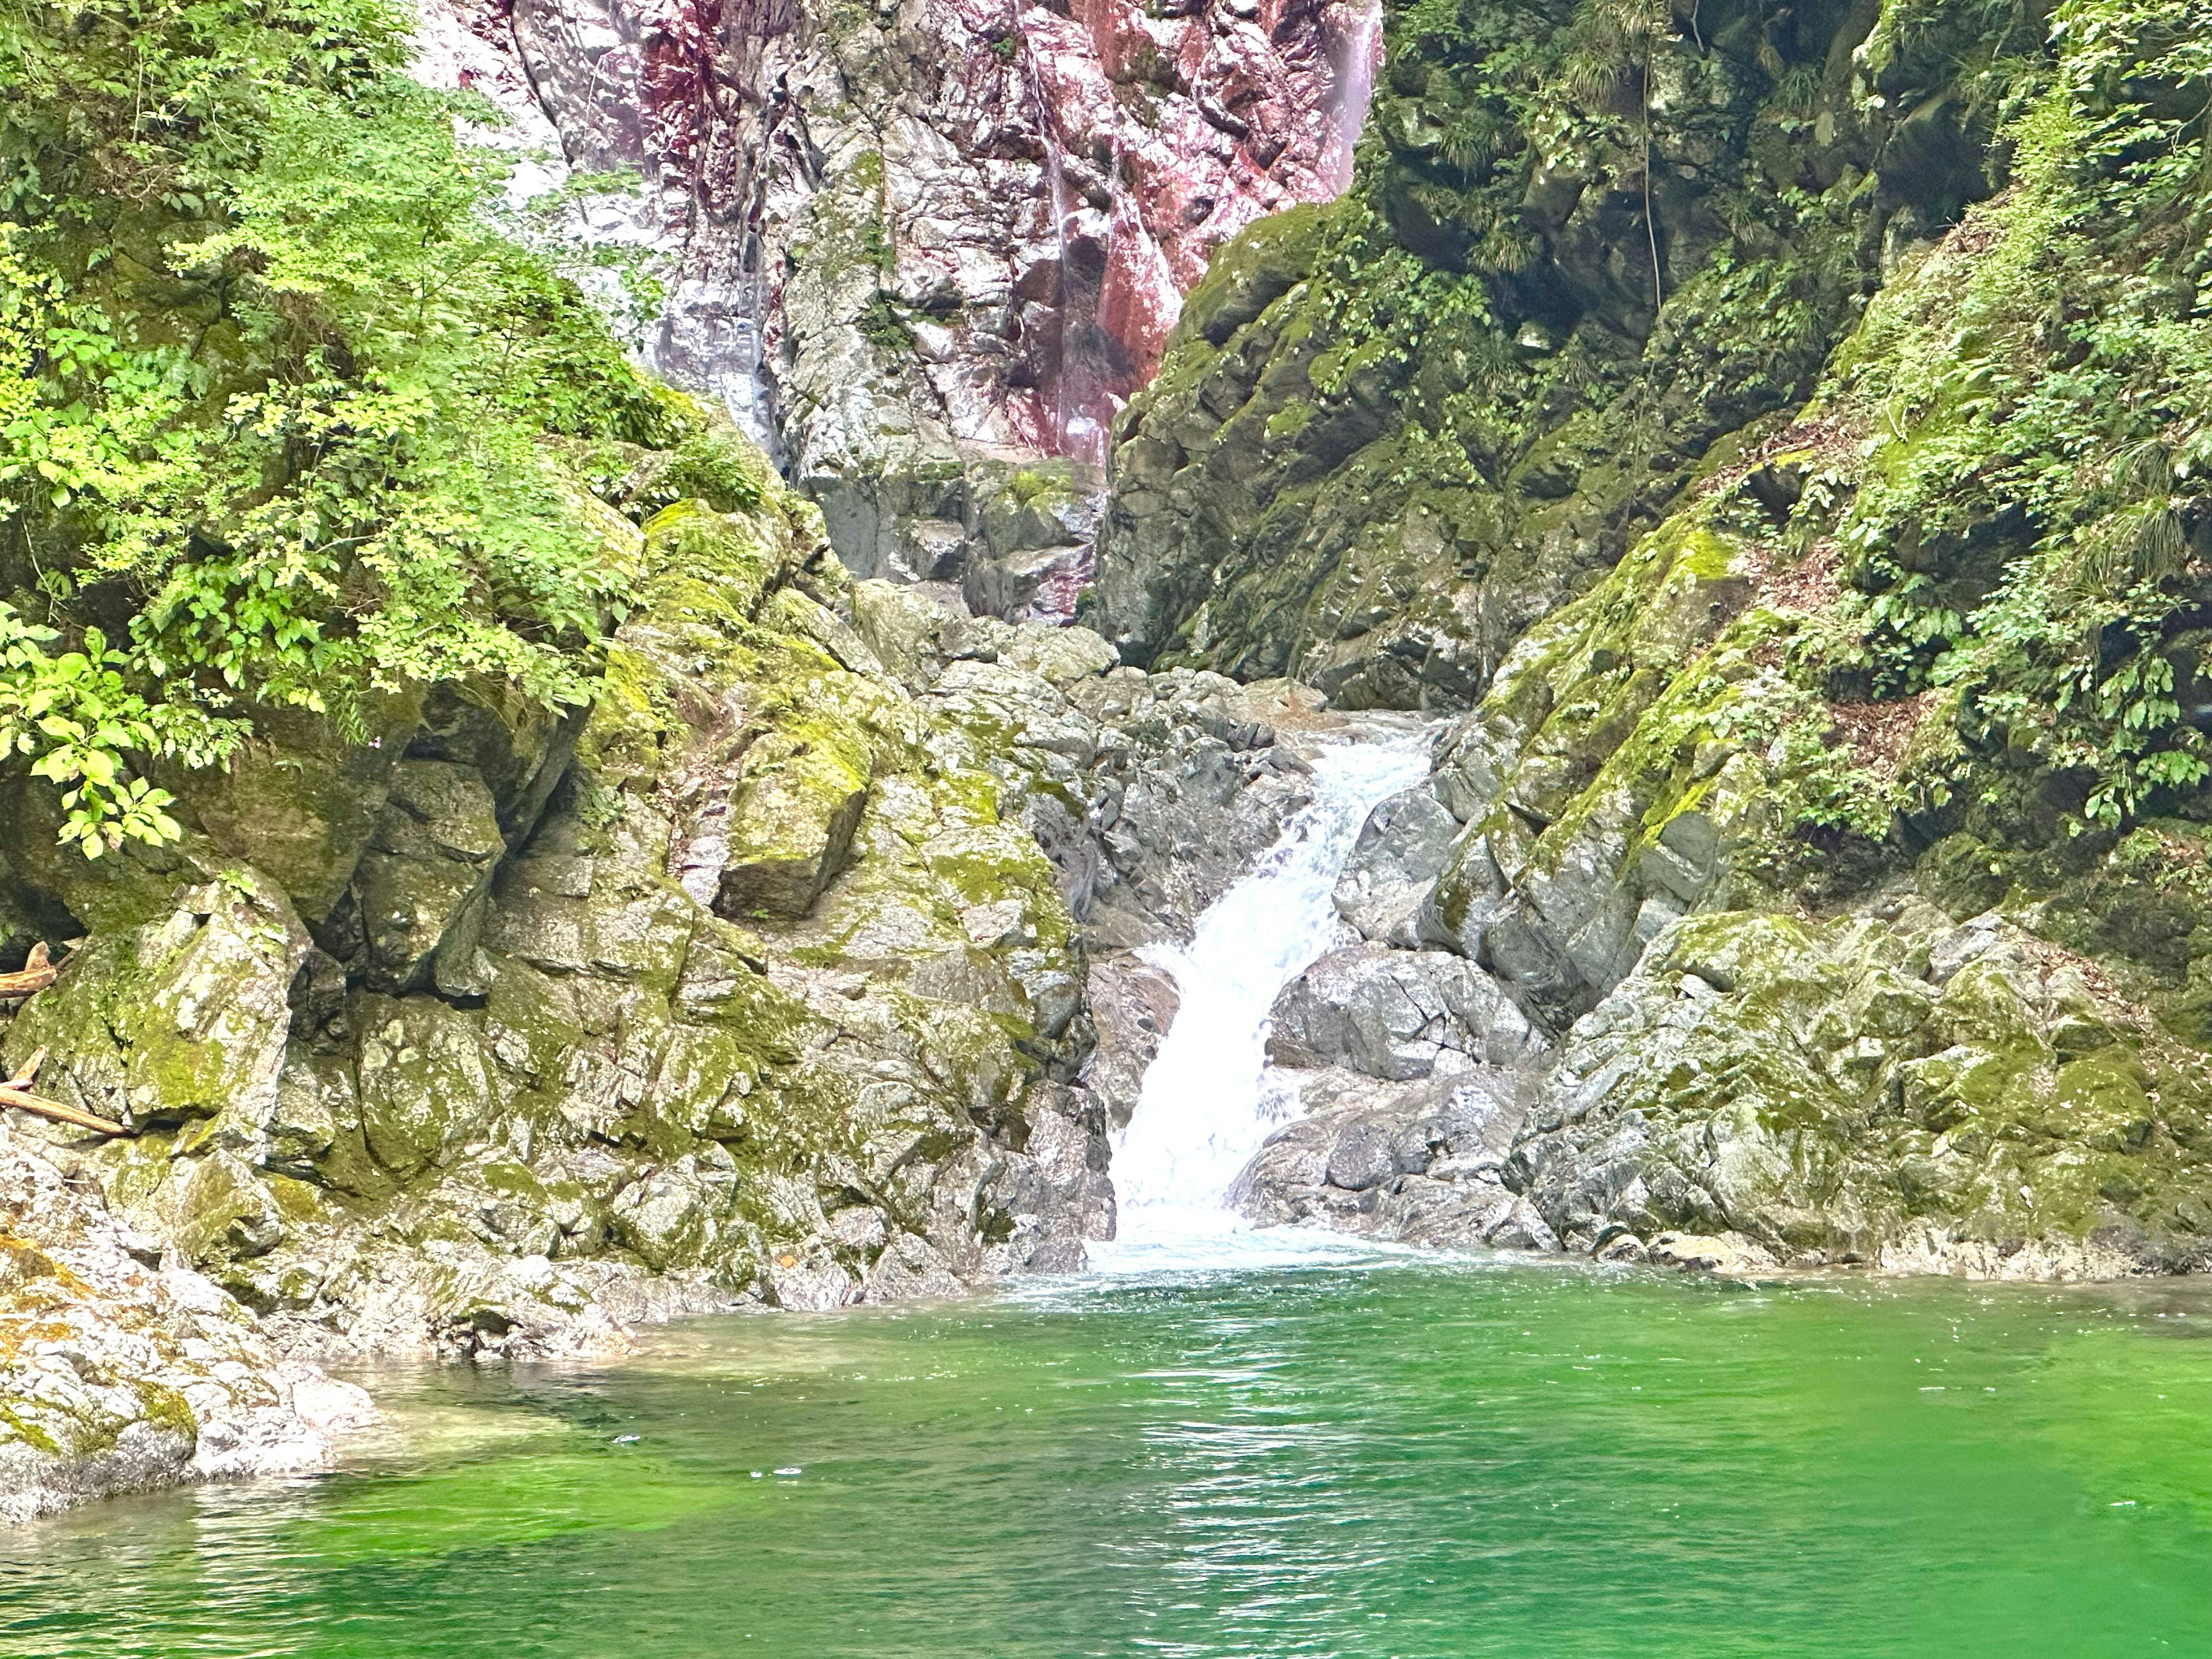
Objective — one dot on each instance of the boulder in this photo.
(1399, 1014)
(1402, 849)
(122, 1376)
(1415, 1161)
(790, 822)
(422, 880)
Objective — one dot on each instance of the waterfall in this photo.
(1204, 1109)
(1354, 60)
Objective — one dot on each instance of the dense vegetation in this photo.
(1597, 250)
(2024, 520)
(278, 367)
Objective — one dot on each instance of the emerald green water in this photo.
(1402, 1458)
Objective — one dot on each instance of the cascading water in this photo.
(1355, 59)
(1204, 1108)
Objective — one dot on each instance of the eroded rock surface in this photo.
(927, 249)
(768, 979)
(121, 1371)
(1415, 1161)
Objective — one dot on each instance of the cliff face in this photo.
(927, 250)
(1839, 840)
(1584, 250)
(456, 1036)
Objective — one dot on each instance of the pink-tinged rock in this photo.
(901, 235)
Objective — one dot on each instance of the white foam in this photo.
(1205, 1107)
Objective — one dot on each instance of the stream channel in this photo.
(1218, 1442)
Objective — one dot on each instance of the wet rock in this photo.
(1399, 1014)
(1812, 1091)
(117, 1377)
(1275, 505)
(1132, 1005)
(925, 256)
(1402, 849)
(1416, 1162)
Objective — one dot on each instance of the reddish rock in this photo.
(914, 244)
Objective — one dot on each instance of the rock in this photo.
(1399, 1014)
(791, 825)
(425, 1082)
(1402, 849)
(1730, 1255)
(1416, 1162)
(118, 1378)
(1276, 504)
(302, 807)
(183, 1019)
(672, 1217)
(1190, 784)
(935, 250)
(1807, 1089)
(1132, 1006)
(429, 860)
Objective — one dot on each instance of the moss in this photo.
(28, 1432)
(166, 1408)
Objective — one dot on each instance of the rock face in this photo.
(1758, 1014)
(925, 249)
(1414, 1162)
(117, 1373)
(750, 983)
(1390, 433)
(1892, 1088)
(761, 981)
(1810, 808)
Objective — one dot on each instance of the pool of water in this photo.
(1387, 1457)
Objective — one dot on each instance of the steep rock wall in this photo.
(922, 248)
(1581, 254)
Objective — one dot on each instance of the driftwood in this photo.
(16, 1092)
(37, 974)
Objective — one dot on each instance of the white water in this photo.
(1204, 1110)
(1355, 59)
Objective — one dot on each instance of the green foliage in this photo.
(1427, 269)
(71, 716)
(276, 365)
(2037, 407)
(887, 324)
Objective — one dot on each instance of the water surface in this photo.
(1398, 1457)
(1228, 1443)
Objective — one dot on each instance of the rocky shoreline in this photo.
(799, 973)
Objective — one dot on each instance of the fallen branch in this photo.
(37, 974)
(16, 1092)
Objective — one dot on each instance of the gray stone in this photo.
(1401, 850)
(1399, 1014)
